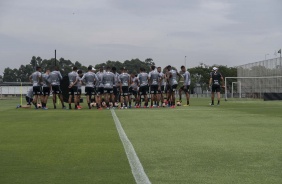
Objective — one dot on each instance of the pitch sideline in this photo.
(135, 164)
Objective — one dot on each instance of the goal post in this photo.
(252, 87)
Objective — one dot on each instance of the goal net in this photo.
(254, 80)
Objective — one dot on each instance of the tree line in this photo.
(199, 74)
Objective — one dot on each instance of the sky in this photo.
(222, 32)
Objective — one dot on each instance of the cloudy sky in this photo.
(226, 32)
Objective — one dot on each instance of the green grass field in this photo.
(237, 142)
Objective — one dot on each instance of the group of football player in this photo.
(108, 88)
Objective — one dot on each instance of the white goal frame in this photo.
(225, 82)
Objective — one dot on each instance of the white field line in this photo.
(135, 164)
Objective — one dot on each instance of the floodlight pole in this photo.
(55, 57)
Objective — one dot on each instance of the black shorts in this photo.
(56, 89)
(154, 89)
(79, 91)
(173, 88)
(162, 91)
(100, 90)
(73, 90)
(89, 91)
(28, 100)
(215, 88)
(125, 91)
(116, 90)
(143, 90)
(131, 91)
(108, 90)
(46, 91)
(185, 90)
(37, 90)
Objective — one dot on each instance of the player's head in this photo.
(142, 69)
(159, 69)
(47, 70)
(56, 68)
(74, 68)
(153, 67)
(168, 67)
(38, 68)
(108, 68)
(183, 68)
(133, 74)
(114, 69)
(214, 69)
(123, 70)
(79, 72)
(101, 68)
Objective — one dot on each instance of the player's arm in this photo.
(222, 80)
(30, 78)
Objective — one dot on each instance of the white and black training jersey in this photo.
(36, 77)
(143, 79)
(134, 83)
(45, 80)
(116, 79)
(124, 79)
(108, 80)
(99, 83)
(187, 78)
(72, 77)
(216, 77)
(55, 78)
(89, 79)
(29, 93)
(173, 78)
(154, 77)
(162, 78)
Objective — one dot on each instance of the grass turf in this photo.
(60, 146)
(237, 142)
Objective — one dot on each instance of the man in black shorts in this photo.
(73, 80)
(55, 78)
(36, 78)
(214, 83)
(186, 83)
(46, 89)
(124, 79)
(143, 86)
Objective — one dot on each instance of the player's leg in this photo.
(180, 93)
(212, 95)
(218, 95)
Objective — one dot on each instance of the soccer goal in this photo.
(252, 87)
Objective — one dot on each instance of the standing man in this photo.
(186, 84)
(55, 78)
(124, 79)
(73, 79)
(143, 86)
(173, 83)
(36, 78)
(163, 84)
(99, 88)
(154, 80)
(133, 89)
(46, 89)
(89, 79)
(116, 86)
(108, 81)
(214, 83)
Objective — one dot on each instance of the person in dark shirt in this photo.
(214, 83)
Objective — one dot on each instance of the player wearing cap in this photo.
(89, 79)
(46, 88)
(187, 82)
(214, 83)
(173, 82)
(108, 81)
(124, 79)
(73, 79)
(143, 86)
(36, 78)
(154, 80)
(55, 78)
